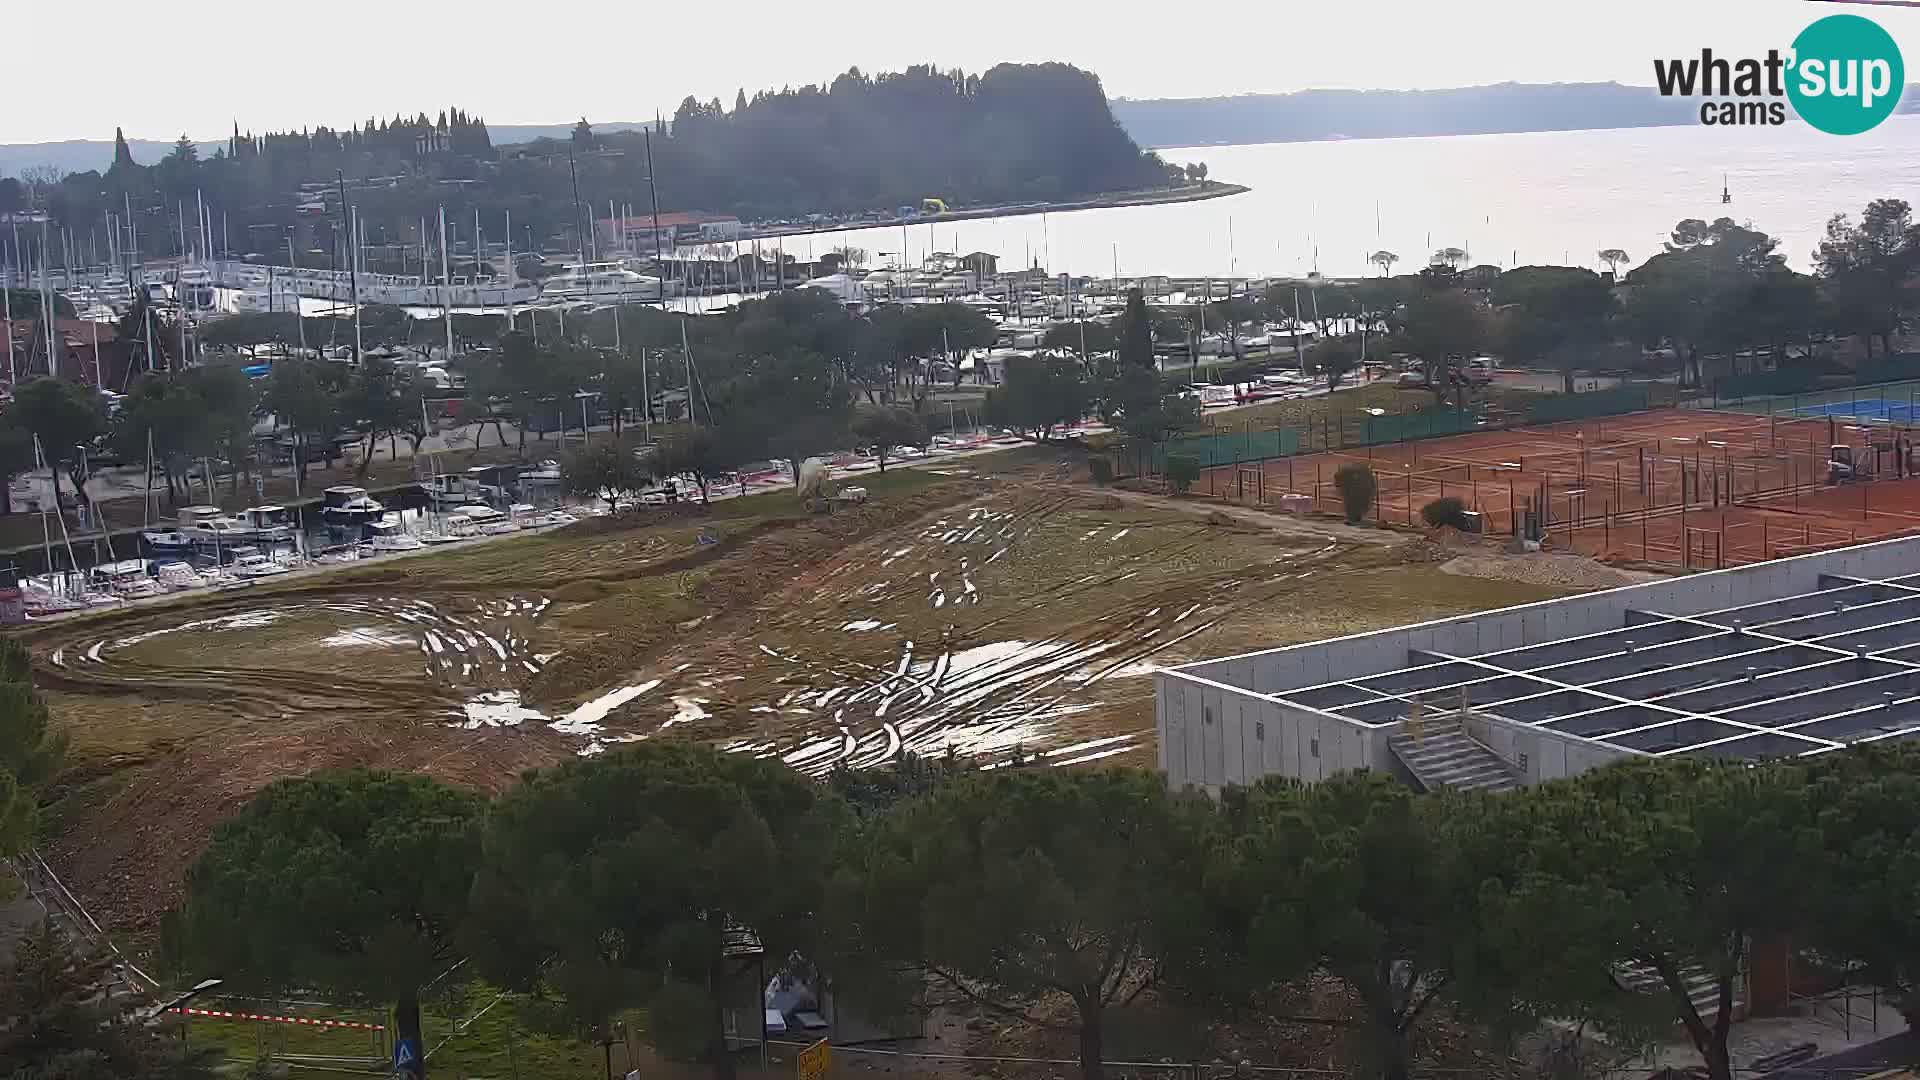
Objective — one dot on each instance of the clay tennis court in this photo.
(1689, 488)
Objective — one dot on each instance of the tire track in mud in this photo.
(461, 645)
(997, 700)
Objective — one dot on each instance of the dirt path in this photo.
(1282, 524)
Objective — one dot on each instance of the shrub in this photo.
(1182, 471)
(1102, 470)
(1357, 488)
(1447, 511)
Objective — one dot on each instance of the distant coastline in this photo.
(1111, 200)
(1157, 123)
(1340, 115)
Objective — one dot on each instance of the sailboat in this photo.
(169, 541)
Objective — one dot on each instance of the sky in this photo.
(265, 65)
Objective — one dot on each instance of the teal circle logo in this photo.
(1847, 75)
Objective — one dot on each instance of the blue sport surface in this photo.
(1861, 409)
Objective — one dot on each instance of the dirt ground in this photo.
(1688, 488)
(1005, 618)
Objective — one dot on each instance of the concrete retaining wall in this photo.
(1212, 736)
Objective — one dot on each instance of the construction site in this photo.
(1682, 488)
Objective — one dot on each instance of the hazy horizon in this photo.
(1240, 48)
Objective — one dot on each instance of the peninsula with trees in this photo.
(1016, 138)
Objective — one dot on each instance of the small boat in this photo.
(127, 579)
(250, 563)
(552, 519)
(61, 591)
(546, 472)
(387, 543)
(209, 528)
(267, 523)
(178, 577)
(167, 542)
(479, 521)
(602, 281)
(447, 490)
(345, 505)
(387, 535)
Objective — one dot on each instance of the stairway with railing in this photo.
(1440, 754)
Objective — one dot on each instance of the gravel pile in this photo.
(1559, 569)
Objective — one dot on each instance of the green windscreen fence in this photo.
(1559, 407)
(1369, 430)
(1228, 447)
(1231, 446)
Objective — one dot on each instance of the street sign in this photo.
(813, 1061)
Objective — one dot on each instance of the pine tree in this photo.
(61, 1025)
(122, 156)
(30, 752)
(740, 101)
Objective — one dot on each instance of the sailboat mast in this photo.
(133, 242)
(353, 275)
(510, 271)
(580, 232)
(298, 318)
(446, 307)
(659, 264)
(6, 312)
(46, 302)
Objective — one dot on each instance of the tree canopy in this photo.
(1041, 393)
(355, 882)
(1018, 886)
(618, 881)
(31, 752)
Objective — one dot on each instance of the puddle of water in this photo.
(498, 708)
(245, 620)
(686, 710)
(585, 720)
(1093, 744)
(1096, 756)
(1118, 535)
(861, 625)
(366, 637)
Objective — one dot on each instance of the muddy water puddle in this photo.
(480, 644)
